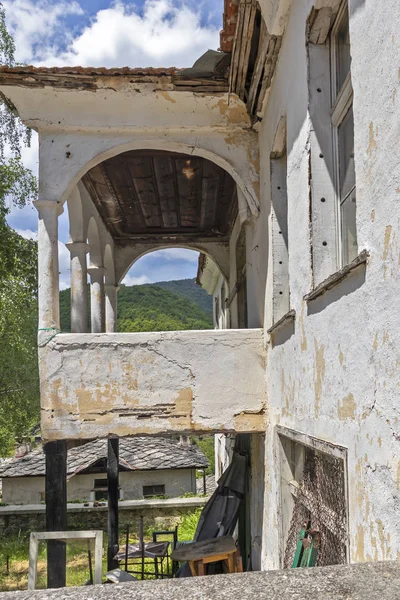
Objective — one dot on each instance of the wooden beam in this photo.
(242, 47)
(259, 67)
(113, 493)
(56, 510)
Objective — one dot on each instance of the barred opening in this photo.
(320, 499)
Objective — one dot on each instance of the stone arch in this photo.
(241, 160)
(93, 239)
(140, 251)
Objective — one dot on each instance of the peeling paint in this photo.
(372, 142)
(319, 375)
(347, 408)
(386, 242)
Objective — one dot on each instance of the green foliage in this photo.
(188, 288)
(151, 308)
(19, 381)
(188, 525)
(148, 308)
(206, 445)
(12, 132)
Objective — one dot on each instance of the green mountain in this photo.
(188, 288)
(153, 307)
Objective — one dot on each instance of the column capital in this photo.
(96, 273)
(78, 247)
(44, 205)
(111, 287)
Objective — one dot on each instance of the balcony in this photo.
(97, 385)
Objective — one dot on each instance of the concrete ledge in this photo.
(123, 505)
(375, 581)
(100, 385)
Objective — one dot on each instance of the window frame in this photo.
(341, 103)
(100, 491)
(153, 485)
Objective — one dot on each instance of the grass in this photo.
(17, 549)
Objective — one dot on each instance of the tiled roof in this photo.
(135, 454)
(30, 69)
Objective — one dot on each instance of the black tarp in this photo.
(220, 514)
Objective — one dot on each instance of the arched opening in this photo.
(141, 201)
(160, 293)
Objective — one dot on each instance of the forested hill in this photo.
(188, 288)
(152, 307)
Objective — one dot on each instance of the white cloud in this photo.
(34, 25)
(131, 280)
(166, 33)
(178, 254)
(28, 234)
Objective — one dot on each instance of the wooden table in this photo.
(199, 554)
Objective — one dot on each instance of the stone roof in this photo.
(372, 581)
(135, 454)
(98, 71)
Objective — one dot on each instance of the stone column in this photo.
(111, 292)
(97, 299)
(79, 289)
(49, 308)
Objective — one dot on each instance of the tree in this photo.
(19, 381)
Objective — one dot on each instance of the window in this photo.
(150, 491)
(100, 489)
(343, 136)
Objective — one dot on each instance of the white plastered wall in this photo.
(336, 378)
(29, 490)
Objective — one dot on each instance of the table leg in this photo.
(156, 567)
(201, 568)
(192, 566)
(238, 562)
(231, 564)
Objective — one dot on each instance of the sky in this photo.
(141, 33)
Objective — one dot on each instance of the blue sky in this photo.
(103, 33)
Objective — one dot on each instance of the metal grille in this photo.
(321, 500)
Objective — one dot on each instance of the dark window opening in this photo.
(100, 489)
(150, 491)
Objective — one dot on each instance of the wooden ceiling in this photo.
(151, 194)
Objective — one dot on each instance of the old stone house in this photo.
(148, 467)
(280, 163)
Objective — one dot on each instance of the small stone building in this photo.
(148, 467)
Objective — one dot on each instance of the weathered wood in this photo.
(204, 549)
(153, 192)
(269, 69)
(259, 67)
(113, 493)
(321, 26)
(56, 510)
(247, 35)
(323, 180)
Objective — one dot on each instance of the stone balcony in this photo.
(99, 385)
